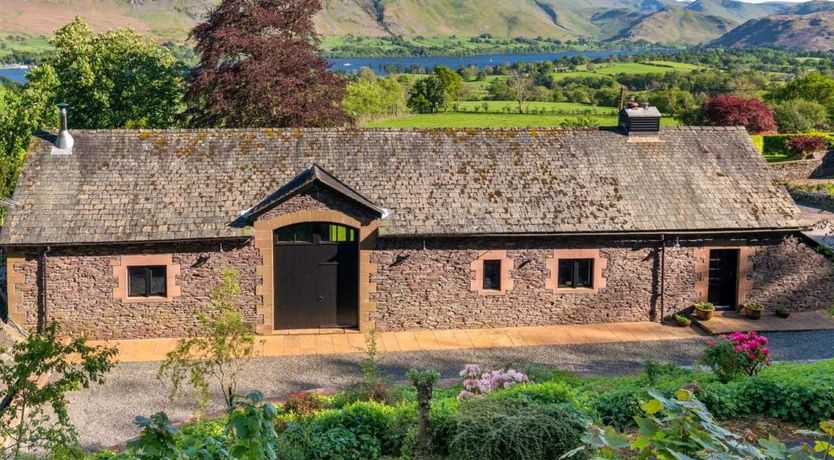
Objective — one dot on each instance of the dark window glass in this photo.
(158, 281)
(285, 234)
(136, 281)
(147, 281)
(576, 273)
(565, 273)
(492, 275)
(585, 273)
(309, 232)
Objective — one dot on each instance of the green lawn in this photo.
(490, 120)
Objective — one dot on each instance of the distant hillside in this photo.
(677, 25)
(735, 11)
(657, 21)
(814, 31)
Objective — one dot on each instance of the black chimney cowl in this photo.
(640, 119)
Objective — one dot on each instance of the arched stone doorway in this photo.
(316, 276)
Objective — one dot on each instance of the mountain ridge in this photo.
(719, 22)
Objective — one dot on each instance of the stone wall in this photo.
(429, 287)
(81, 283)
(813, 168)
(817, 199)
(794, 274)
(421, 284)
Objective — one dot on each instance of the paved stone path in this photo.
(724, 322)
(103, 414)
(325, 343)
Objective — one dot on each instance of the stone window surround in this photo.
(172, 270)
(263, 231)
(477, 265)
(743, 274)
(600, 264)
(13, 280)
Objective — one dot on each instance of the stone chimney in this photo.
(65, 140)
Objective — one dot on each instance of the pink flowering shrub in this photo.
(737, 354)
(477, 381)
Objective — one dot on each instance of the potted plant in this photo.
(704, 310)
(783, 311)
(683, 320)
(753, 310)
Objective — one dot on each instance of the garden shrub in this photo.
(543, 393)
(737, 354)
(497, 429)
(791, 393)
(304, 403)
(386, 424)
(442, 424)
(676, 428)
(806, 145)
(339, 443)
(777, 144)
(478, 381)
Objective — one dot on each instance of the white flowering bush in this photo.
(477, 381)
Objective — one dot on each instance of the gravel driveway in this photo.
(104, 414)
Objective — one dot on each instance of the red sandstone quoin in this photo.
(123, 234)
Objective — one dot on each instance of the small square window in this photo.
(147, 281)
(492, 275)
(576, 273)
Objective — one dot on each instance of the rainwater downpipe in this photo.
(44, 272)
(662, 277)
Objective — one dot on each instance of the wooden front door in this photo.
(316, 276)
(723, 278)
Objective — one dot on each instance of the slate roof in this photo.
(143, 185)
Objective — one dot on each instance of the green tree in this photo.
(799, 116)
(115, 79)
(521, 86)
(427, 95)
(24, 110)
(452, 82)
(369, 99)
(813, 84)
(217, 351)
(673, 101)
(43, 368)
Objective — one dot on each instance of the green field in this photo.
(554, 108)
(19, 43)
(628, 68)
(490, 120)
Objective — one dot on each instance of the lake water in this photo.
(380, 65)
(16, 75)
